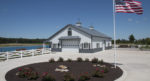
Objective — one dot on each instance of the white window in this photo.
(97, 45)
(86, 45)
(69, 32)
(54, 45)
(108, 44)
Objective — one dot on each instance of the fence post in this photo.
(49, 50)
(21, 53)
(32, 52)
(42, 51)
(7, 55)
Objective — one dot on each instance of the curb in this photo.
(123, 77)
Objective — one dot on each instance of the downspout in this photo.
(91, 42)
(61, 44)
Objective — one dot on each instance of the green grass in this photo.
(145, 47)
(1, 57)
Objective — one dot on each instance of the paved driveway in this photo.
(136, 63)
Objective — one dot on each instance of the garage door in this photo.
(70, 45)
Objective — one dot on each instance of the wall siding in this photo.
(99, 40)
(84, 37)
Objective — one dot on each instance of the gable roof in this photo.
(91, 32)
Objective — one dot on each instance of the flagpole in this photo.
(114, 24)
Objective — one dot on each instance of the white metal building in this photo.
(79, 39)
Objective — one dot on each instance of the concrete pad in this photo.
(136, 63)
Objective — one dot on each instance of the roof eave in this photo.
(58, 32)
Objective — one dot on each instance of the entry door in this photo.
(104, 45)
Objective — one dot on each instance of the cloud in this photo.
(130, 19)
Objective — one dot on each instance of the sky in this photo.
(42, 18)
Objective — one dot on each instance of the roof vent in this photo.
(78, 23)
(91, 28)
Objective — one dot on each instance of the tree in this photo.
(131, 38)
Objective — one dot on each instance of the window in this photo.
(69, 32)
(108, 44)
(104, 43)
(97, 45)
(86, 45)
(54, 45)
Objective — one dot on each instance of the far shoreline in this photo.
(19, 44)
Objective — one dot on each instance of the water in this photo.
(13, 48)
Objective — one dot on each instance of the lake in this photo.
(13, 48)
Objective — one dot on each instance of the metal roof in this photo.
(91, 32)
(69, 37)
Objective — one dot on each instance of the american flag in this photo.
(128, 6)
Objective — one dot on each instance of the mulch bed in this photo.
(75, 68)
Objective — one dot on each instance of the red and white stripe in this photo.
(130, 6)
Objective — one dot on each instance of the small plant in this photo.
(101, 62)
(68, 77)
(105, 70)
(51, 60)
(86, 60)
(79, 59)
(69, 60)
(20, 73)
(32, 76)
(98, 73)
(95, 60)
(60, 59)
(47, 77)
(84, 77)
(28, 73)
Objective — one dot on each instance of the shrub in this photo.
(21, 73)
(101, 62)
(84, 77)
(86, 60)
(33, 76)
(68, 77)
(79, 59)
(47, 77)
(28, 73)
(51, 60)
(69, 60)
(95, 60)
(98, 73)
(105, 70)
(60, 59)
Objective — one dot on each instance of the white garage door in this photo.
(70, 45)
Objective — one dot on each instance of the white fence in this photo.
(23, 53)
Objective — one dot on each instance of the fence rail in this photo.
(23, 53)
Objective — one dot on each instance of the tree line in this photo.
(132, 40)
(20, 40)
